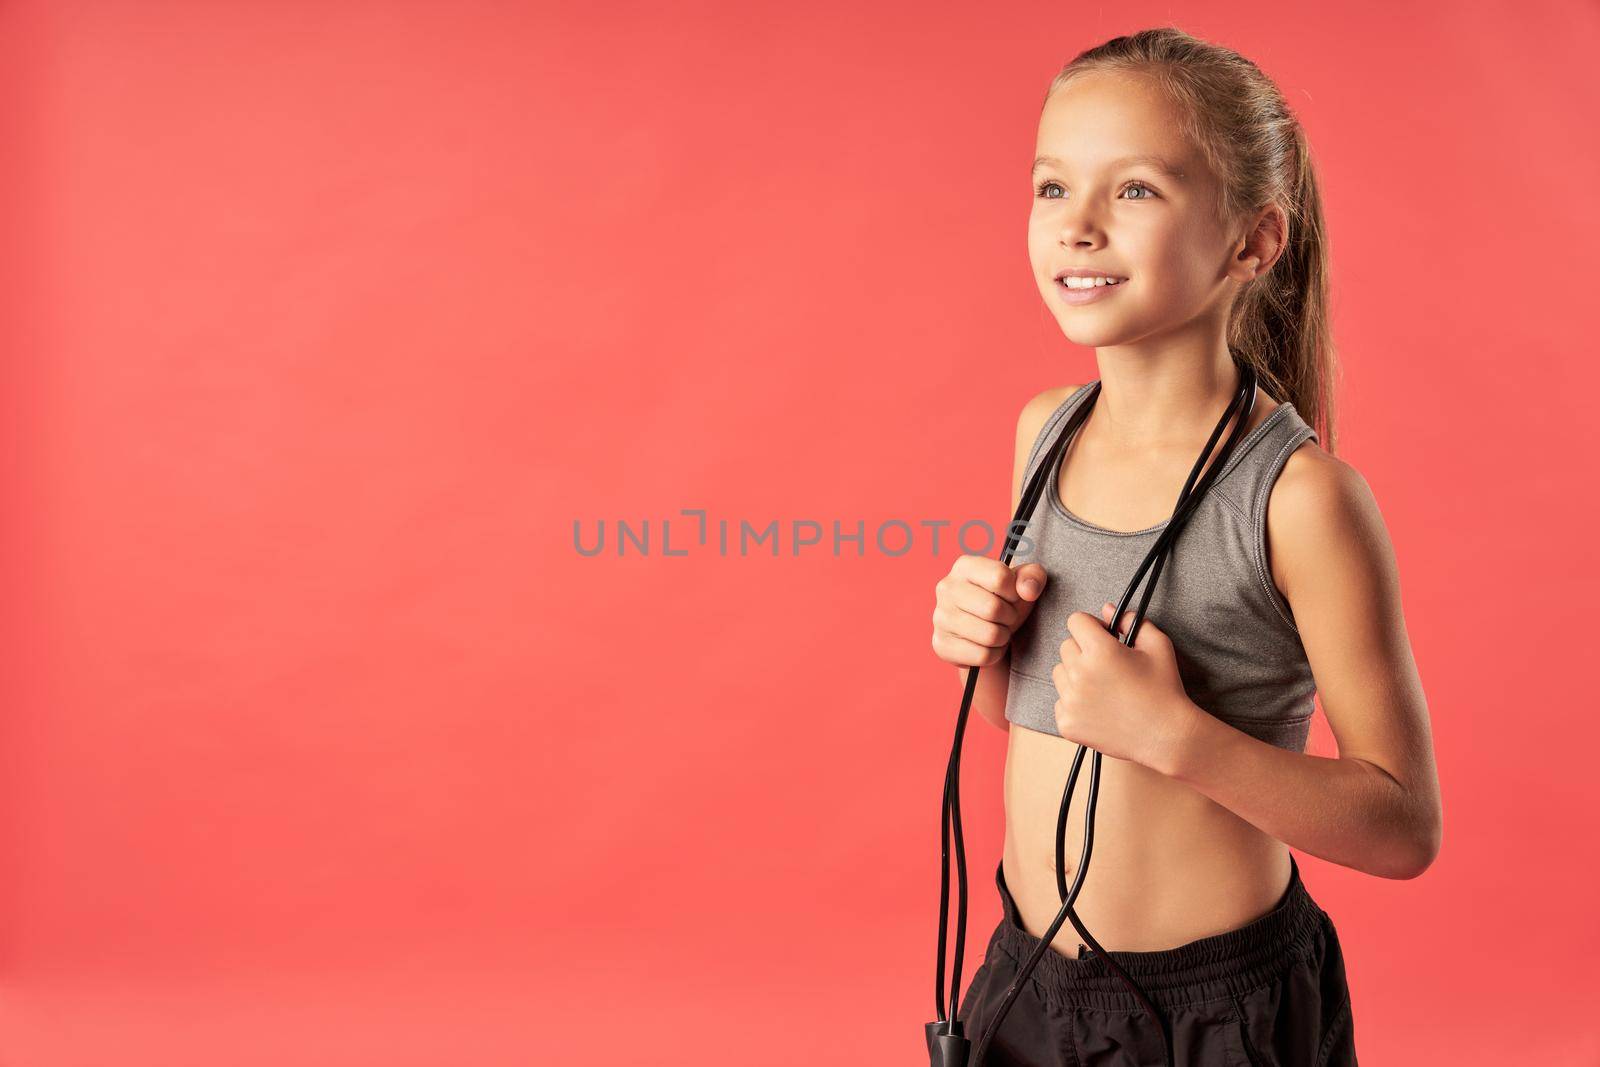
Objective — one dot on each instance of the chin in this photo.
(1090, 334)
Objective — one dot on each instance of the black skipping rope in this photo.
(948, 1046)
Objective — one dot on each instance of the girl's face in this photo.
(1119, 191)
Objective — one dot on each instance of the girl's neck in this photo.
(1170, 402)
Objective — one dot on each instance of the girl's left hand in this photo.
(1127, 702)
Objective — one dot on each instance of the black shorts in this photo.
(1270, 994)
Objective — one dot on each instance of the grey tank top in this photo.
(1238, 649)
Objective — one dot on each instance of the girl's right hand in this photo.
(979, 605)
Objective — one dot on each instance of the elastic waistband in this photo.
(1229, 963)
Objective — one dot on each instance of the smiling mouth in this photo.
(1078, 284)
(1078, 290)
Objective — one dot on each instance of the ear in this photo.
(1263, 242)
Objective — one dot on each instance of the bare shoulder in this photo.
(1037, 410)
(1035, 413)
(1320, 505)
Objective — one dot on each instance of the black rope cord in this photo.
(947, 1044)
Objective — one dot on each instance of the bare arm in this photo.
(1375, 807)
(994, 683)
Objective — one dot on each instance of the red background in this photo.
(322, 744)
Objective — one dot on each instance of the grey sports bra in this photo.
(1238, 649)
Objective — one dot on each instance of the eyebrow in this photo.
(1154, 162)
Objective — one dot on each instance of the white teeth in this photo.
(1072, 282)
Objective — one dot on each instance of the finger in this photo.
(1069, 651)
(958, 623)
(978, 601)
(987, 573)
(1031, 579)
(1123, 623)
(1089, 631)
(951, 617)
(1149, 633)
(973, 654)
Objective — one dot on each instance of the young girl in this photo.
(1177, 229)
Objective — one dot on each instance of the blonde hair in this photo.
(1240, 123)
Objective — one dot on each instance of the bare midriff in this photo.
(1169, 864)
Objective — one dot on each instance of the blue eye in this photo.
(1039, 190)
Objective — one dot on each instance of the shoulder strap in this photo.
(1047, 432)
(1262, 462)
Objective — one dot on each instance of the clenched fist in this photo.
(979, 605)
(1126, 701)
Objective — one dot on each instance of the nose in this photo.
(1080, 228)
